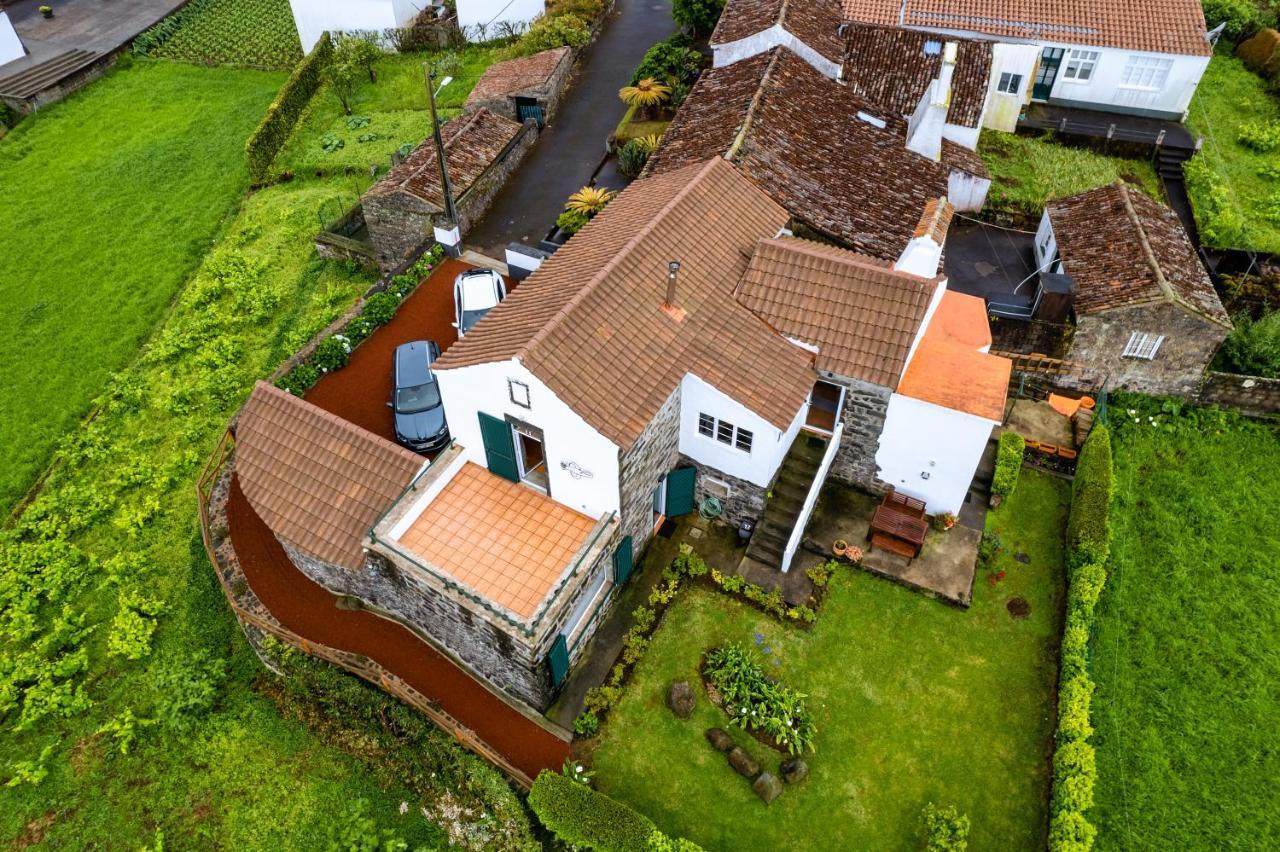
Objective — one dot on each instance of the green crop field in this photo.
(110, 200)
(251, 33)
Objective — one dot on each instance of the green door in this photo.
(558, 660)
(622, 561)
(499, 447)
(1047, 73)
(680, 491)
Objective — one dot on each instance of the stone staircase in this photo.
(786, 500)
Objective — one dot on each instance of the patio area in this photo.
(944, 569)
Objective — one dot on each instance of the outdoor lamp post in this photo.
(449, 236)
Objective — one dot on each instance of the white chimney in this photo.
(924, 128)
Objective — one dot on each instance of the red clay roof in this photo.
(517, 75)
(797, 134)
(814, 22)
(890, 66)
(860, 313)
(318, 481)
(948, 369)
(590, 322)
(472, 143)
(1160, 26)
(1122, 248)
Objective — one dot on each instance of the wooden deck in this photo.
(1096, 124)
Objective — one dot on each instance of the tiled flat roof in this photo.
(505, 541)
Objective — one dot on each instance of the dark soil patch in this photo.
(1018, 606)
(34, 831)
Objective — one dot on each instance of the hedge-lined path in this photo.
(311, 611)
(360, 391)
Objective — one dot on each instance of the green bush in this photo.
(1253, 347)
(1261, 136)
(299, 380)
(1242, 17)
(283, 114)
(697, 16)
(332, 353)
(380, 308)
(580, 816)
(1074, 699)
(1217, 215)
(1069, 831)
(1008, 464)
(756, 702)
(1075, 771)
(671, 61)
(946, 829)
(1091, 493)
(571, 221)
(633, 156)
(548, 33)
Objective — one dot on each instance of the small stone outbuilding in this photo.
(526, 87)
(1147, 316)
(482, 149)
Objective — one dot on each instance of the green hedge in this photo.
(283, 114)
(580, 816)
(1008, 464)
(1075, 771)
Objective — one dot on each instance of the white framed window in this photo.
(1143, 345)
(1080, 65)
(1146, 72)
(724, 432)
(1009, 83)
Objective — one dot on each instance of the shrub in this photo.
(1075, 771)
(548, 33)
(1217, 214)
(1262, 53)
(332, 353)
(1262, 136)
(697, 16)
(1091, 493)
(188, 690)
(1008, 464)
(586, 724)
(1253, 347)
(1069, 831)
(1075, 646)
(580, 816)
(1242, 17)
(299, 380)
(757, 702)
(588, 201)
(571, 222)
(633, 156)
(672, 61)
(1074, 699)
(586, 10)
(645, 95)
(380, 308)
(946, 829)
(1087, 580)
(283, 114)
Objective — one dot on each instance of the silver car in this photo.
(475, 293)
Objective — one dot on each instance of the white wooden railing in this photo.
(811, 499)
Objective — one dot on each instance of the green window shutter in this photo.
(499, 447)
(680, 491)
(622, 561)
(559, 660)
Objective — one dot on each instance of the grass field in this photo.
(249, 33)
(110, 200)
(914, 701)
(1235, 190)
(1027, 171)
(1187, 652)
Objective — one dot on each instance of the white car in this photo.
(475, 293)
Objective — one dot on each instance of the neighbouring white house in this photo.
(1142, 59)
(476, 18)
(11, 47)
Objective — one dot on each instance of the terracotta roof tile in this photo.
(797, 134)
(471, 143)
(316, 480)
(1123, 248)
(590, 324)
(518, 75)
(948, 369)
(1159, 26)
(860, 313)
(890, 66)
(814, 22)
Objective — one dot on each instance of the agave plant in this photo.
(588, 201)
(645, 95)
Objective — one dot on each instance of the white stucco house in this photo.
(475, 17)
(1142, 59)
(10, 45)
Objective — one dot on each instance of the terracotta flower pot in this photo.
(840, 547)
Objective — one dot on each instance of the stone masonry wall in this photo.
(1179, 365)
(1253, 395)
(642, 467)
(547, 95)
(745, 500)
(865, 407)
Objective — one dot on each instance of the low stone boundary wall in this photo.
(1253, 395)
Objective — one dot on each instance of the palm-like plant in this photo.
(588, 201)
(646, 94)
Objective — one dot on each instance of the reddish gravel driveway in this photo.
(360, 391)
(311, 612)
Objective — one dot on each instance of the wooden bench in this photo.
(907, 505)
(893, 545)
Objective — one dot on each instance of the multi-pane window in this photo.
(1143, 345)
(1080, 65)
(1009, 83)
(724, 432)
(1146, 72)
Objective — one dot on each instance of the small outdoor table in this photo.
(897, 531)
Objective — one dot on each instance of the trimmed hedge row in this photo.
(1075, 770)
(581, 817)
(283, 114)
(1008, 464)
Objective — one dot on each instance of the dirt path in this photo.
(310, 611)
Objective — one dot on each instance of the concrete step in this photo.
(39, 77)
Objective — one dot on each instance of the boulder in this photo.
(767, 787)
(680, 699)
(742, 762)
(719, 739)
(794, 770)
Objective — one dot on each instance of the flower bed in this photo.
(775, 714)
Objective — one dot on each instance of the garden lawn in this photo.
(1187, 651)
(251, 33)
(914, 702)
(107, 202)
(1027, 171)
(1235, 190)
(396, 109)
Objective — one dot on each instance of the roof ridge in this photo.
(745, 128)
(614, 261)
(812, 248)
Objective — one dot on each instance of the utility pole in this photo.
(452, 245)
